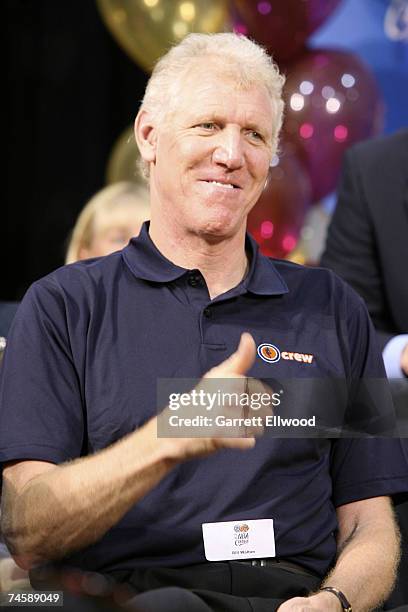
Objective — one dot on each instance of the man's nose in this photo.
(229, 150)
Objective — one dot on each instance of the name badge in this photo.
(254, 539)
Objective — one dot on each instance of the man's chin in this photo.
(220, 229)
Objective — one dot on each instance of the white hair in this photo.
(248, 63)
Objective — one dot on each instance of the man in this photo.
(88, 481)
(367, 245)
(367, 242)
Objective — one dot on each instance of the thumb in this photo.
(243, 358)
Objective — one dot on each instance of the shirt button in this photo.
(207, 312)
(194, 280)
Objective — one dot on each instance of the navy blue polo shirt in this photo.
(90, 341)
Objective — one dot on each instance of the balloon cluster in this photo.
(147, 28)
(331, 97)
(331, 101)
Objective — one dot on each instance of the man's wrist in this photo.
(342, 602)
(329, 601)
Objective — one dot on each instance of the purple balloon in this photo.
(282, 26)
(332, 101)
(277, 218)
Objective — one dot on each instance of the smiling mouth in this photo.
(224, 185)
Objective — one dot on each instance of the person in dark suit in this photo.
(367, 245)
(367, 241)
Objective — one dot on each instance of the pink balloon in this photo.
(277, 218)
(282, 26)
(332, 101)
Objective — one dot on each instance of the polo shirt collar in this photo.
(146, 262)
(263, 278)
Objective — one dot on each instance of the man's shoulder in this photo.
(295, 274)
(318, 287)
(288, 268)
(84, 272)
(78, 283)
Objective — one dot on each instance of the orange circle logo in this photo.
(269, 352)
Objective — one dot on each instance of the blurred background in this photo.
(75, 73)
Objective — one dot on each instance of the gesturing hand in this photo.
(231, 374)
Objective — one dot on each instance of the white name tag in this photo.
(254, 539)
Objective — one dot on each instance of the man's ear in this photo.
(146, 136)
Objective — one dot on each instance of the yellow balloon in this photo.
(147, 28)
(123, 162)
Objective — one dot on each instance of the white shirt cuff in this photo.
(392, 355)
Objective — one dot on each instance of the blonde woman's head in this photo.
(108, 221)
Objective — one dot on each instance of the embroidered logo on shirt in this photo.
(271, 354)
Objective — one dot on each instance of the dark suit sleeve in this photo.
(351, 245)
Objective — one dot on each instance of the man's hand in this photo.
(404, 360)
(237, 365)
(232, 371)
(320, 602)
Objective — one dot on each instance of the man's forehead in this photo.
(216, 94)
(206, 73)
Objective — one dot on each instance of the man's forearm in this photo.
(367, 563)
(75, 504)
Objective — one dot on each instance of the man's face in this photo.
(212, 154)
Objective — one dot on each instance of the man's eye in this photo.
(207, 125)
(255, 135)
